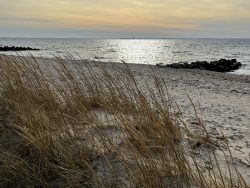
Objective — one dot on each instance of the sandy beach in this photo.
(221, 101)
(145, 93)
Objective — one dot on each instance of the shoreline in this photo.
(66, 57)
(223, 102)
(223, 99)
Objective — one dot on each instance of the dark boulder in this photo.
(13, 48)
(222, 65)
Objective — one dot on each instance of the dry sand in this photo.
(223, 99)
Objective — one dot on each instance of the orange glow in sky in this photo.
(146, 17)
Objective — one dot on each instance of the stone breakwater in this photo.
(222, 65)
(13, 48)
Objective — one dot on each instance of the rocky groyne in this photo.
(14, 48)
(222, 65)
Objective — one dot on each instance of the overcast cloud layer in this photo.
(125, 18)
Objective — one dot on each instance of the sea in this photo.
(138, 51)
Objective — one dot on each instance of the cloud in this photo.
(9, 19)
(156, 17)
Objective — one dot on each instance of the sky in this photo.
(125, 18)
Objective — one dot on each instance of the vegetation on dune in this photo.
(67, 123)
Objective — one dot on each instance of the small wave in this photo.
(239, 53)
(182, 52)
(59, 52)
(99, 57)
(111, 50)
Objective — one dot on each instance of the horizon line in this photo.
(125, 38)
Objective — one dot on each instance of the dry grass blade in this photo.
(67, 123)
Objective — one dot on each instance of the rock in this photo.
(222, 65)
(233, 60)
(13, 48)
(161, 65)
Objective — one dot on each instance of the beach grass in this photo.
(68, 123)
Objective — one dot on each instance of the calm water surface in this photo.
(140, 51)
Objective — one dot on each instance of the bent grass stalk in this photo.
(77, 123)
